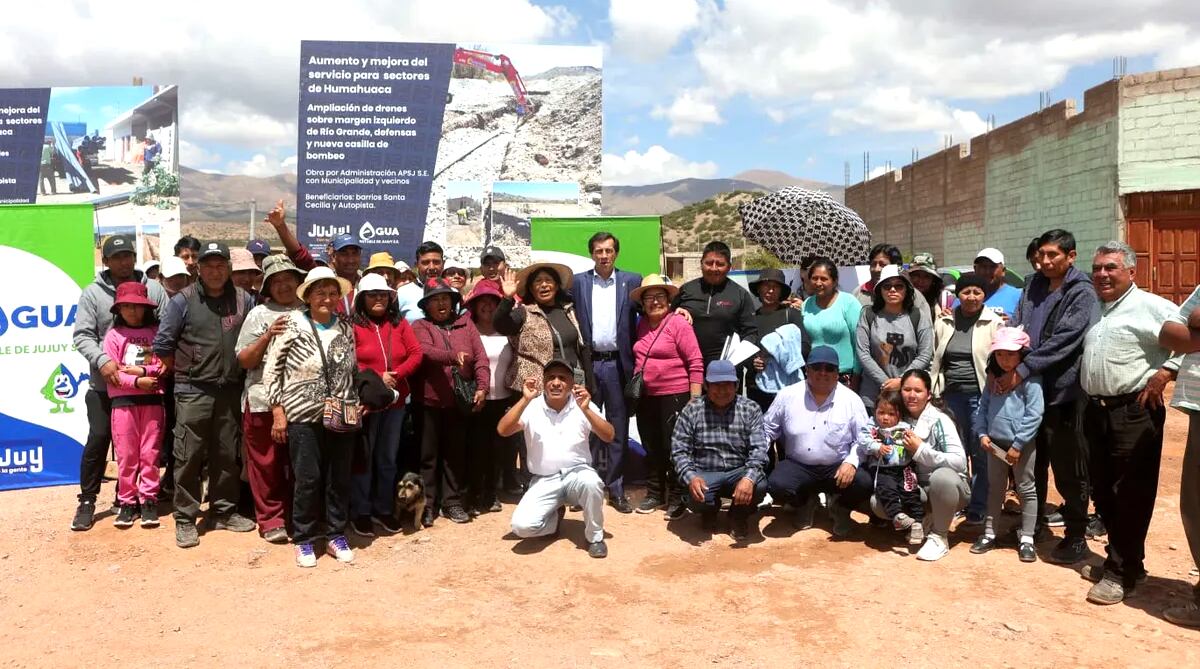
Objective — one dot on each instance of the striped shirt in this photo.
(1121, 350)
(707, 439)
(293, 375)
(1187, 386)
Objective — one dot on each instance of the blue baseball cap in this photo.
(320, 258)
(258, 247)
(721, 371)
(823, 355)
(345, 240)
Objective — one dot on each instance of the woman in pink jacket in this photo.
(137, 408)
(668, 356)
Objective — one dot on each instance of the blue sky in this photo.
(95, 106)
(692, 88)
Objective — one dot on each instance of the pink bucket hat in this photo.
(1009, 339)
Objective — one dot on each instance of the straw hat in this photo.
(382, 261)
(320, 274)
(654, 281)
(565, 277)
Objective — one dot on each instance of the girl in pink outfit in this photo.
(137, 409)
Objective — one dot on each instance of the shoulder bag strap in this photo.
(661, 326)
(321, 348)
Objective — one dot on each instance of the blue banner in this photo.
(370, 123)
(22, 133)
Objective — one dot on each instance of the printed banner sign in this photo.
(457, 144)
(43, 420)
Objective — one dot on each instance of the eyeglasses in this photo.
(655, 297)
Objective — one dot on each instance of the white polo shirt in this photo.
(556, 440)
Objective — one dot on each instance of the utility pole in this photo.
(253, 216)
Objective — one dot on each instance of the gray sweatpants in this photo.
(536, 514)
(1024, 475)
(1189, 491)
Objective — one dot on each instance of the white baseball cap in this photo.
(172, 266)
(991, 254)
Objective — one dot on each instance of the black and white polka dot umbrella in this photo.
(795, 223)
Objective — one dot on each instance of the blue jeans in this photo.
(374, 491)
(962, 406)
(721, 484)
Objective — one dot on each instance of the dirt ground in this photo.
(459, 596)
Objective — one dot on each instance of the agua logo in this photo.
(29, 460)
(330, 230)
(368, 231)
(46, 315)
(62, 386)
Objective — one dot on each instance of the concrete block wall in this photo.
(1160, 131)
(1055, 168)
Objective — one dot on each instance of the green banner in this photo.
(46, 258)
(557, 239)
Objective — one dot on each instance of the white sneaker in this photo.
(934, 549)
(340, 548)
(766, 502)
(305, 555)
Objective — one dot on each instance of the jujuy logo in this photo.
(46, 315)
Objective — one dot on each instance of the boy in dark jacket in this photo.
(1058, 305)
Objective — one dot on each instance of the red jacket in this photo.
(438, 358)
(388, 348)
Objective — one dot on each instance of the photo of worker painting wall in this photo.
(516, 113)
(113, 147)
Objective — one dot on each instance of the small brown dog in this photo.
(410, 498)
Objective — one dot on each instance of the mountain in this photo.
(668, 197)
(572, 71)
(205, 197)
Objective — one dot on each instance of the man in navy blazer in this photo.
(608, 322)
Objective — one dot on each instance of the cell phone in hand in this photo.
(580, 378)
(895, 338)
(999, 452)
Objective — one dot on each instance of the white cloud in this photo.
(656, 165)
(261, 165)
(73, 108)
(898, 110)
(633, 140)
(648, 29)
(1182, 54)
(878, 170)
(689, 113)
(238, 79)
(197, 157)
(838, 54)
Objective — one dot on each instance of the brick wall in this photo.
(1055, 168)
(1160, 131)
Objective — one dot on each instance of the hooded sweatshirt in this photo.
(93, 319)
(1012, 418)
(1056, 323)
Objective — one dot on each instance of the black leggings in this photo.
(443, 456)
(656, 416)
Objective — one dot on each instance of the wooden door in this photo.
(1175, 259)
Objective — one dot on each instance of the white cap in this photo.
(147, 265)
(991, 254)
(402, 267)
(172, 266)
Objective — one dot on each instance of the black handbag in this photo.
(637, 383)
(464, 388)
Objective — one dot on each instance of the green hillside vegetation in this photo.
(715, 218)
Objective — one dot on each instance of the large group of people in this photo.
(326, 381)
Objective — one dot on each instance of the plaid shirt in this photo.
(709, 440)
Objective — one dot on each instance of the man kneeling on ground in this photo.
(720, 450)
(560, 458)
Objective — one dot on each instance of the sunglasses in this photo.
(892, 287)
(822, 368)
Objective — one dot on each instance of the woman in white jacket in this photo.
(960, 355)
(938, 460)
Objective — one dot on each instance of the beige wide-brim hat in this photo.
(565, 277)
(654, 281)
(320, 273)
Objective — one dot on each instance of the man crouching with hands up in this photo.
(557, 426)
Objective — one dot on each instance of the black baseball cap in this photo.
(213, 249)
(118, 244)
(493, 252)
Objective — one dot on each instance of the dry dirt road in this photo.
(466, 596)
